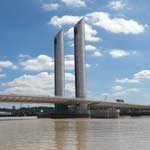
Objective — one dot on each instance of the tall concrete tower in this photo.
(59, 68)
(80, 62)
(59, 63)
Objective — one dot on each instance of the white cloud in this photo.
(126, 80)
(67, 3)
(117, 53)
(50, 7)
(74, 3)
(2, 75)
(70, 33)
(125, 92)
(100, 19)
(115, 25)
(90, 48)
(117, 4)
(137, 77)
(46, 63)
(39, 84)
(7, 64)
(97, 54)
(64, 20)
(69, 62)
(70, 43)
(69, 77)
(22, 56)
(88, 66)
(41, 63)
(133, 90)
(70, 89)
(117, 88)
(90, 34)
(144, 74)
(119, 91)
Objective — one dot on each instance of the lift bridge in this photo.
(82, 104)
(94, 104)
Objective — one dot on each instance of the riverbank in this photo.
(18, 118)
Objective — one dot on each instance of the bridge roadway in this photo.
(69, 101)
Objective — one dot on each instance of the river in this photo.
(76, 134)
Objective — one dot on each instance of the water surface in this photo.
(76, 134)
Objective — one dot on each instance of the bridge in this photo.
(93, 104)
(81, 104)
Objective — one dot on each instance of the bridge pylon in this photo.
(80, 71)
(59, 69)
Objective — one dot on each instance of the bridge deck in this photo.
(69, 101)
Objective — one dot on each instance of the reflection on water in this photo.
(71, 135)
(77, 134)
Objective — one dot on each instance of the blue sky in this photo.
(117, 47)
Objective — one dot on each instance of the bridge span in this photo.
(93, 104)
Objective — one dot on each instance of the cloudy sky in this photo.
(117, 47)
